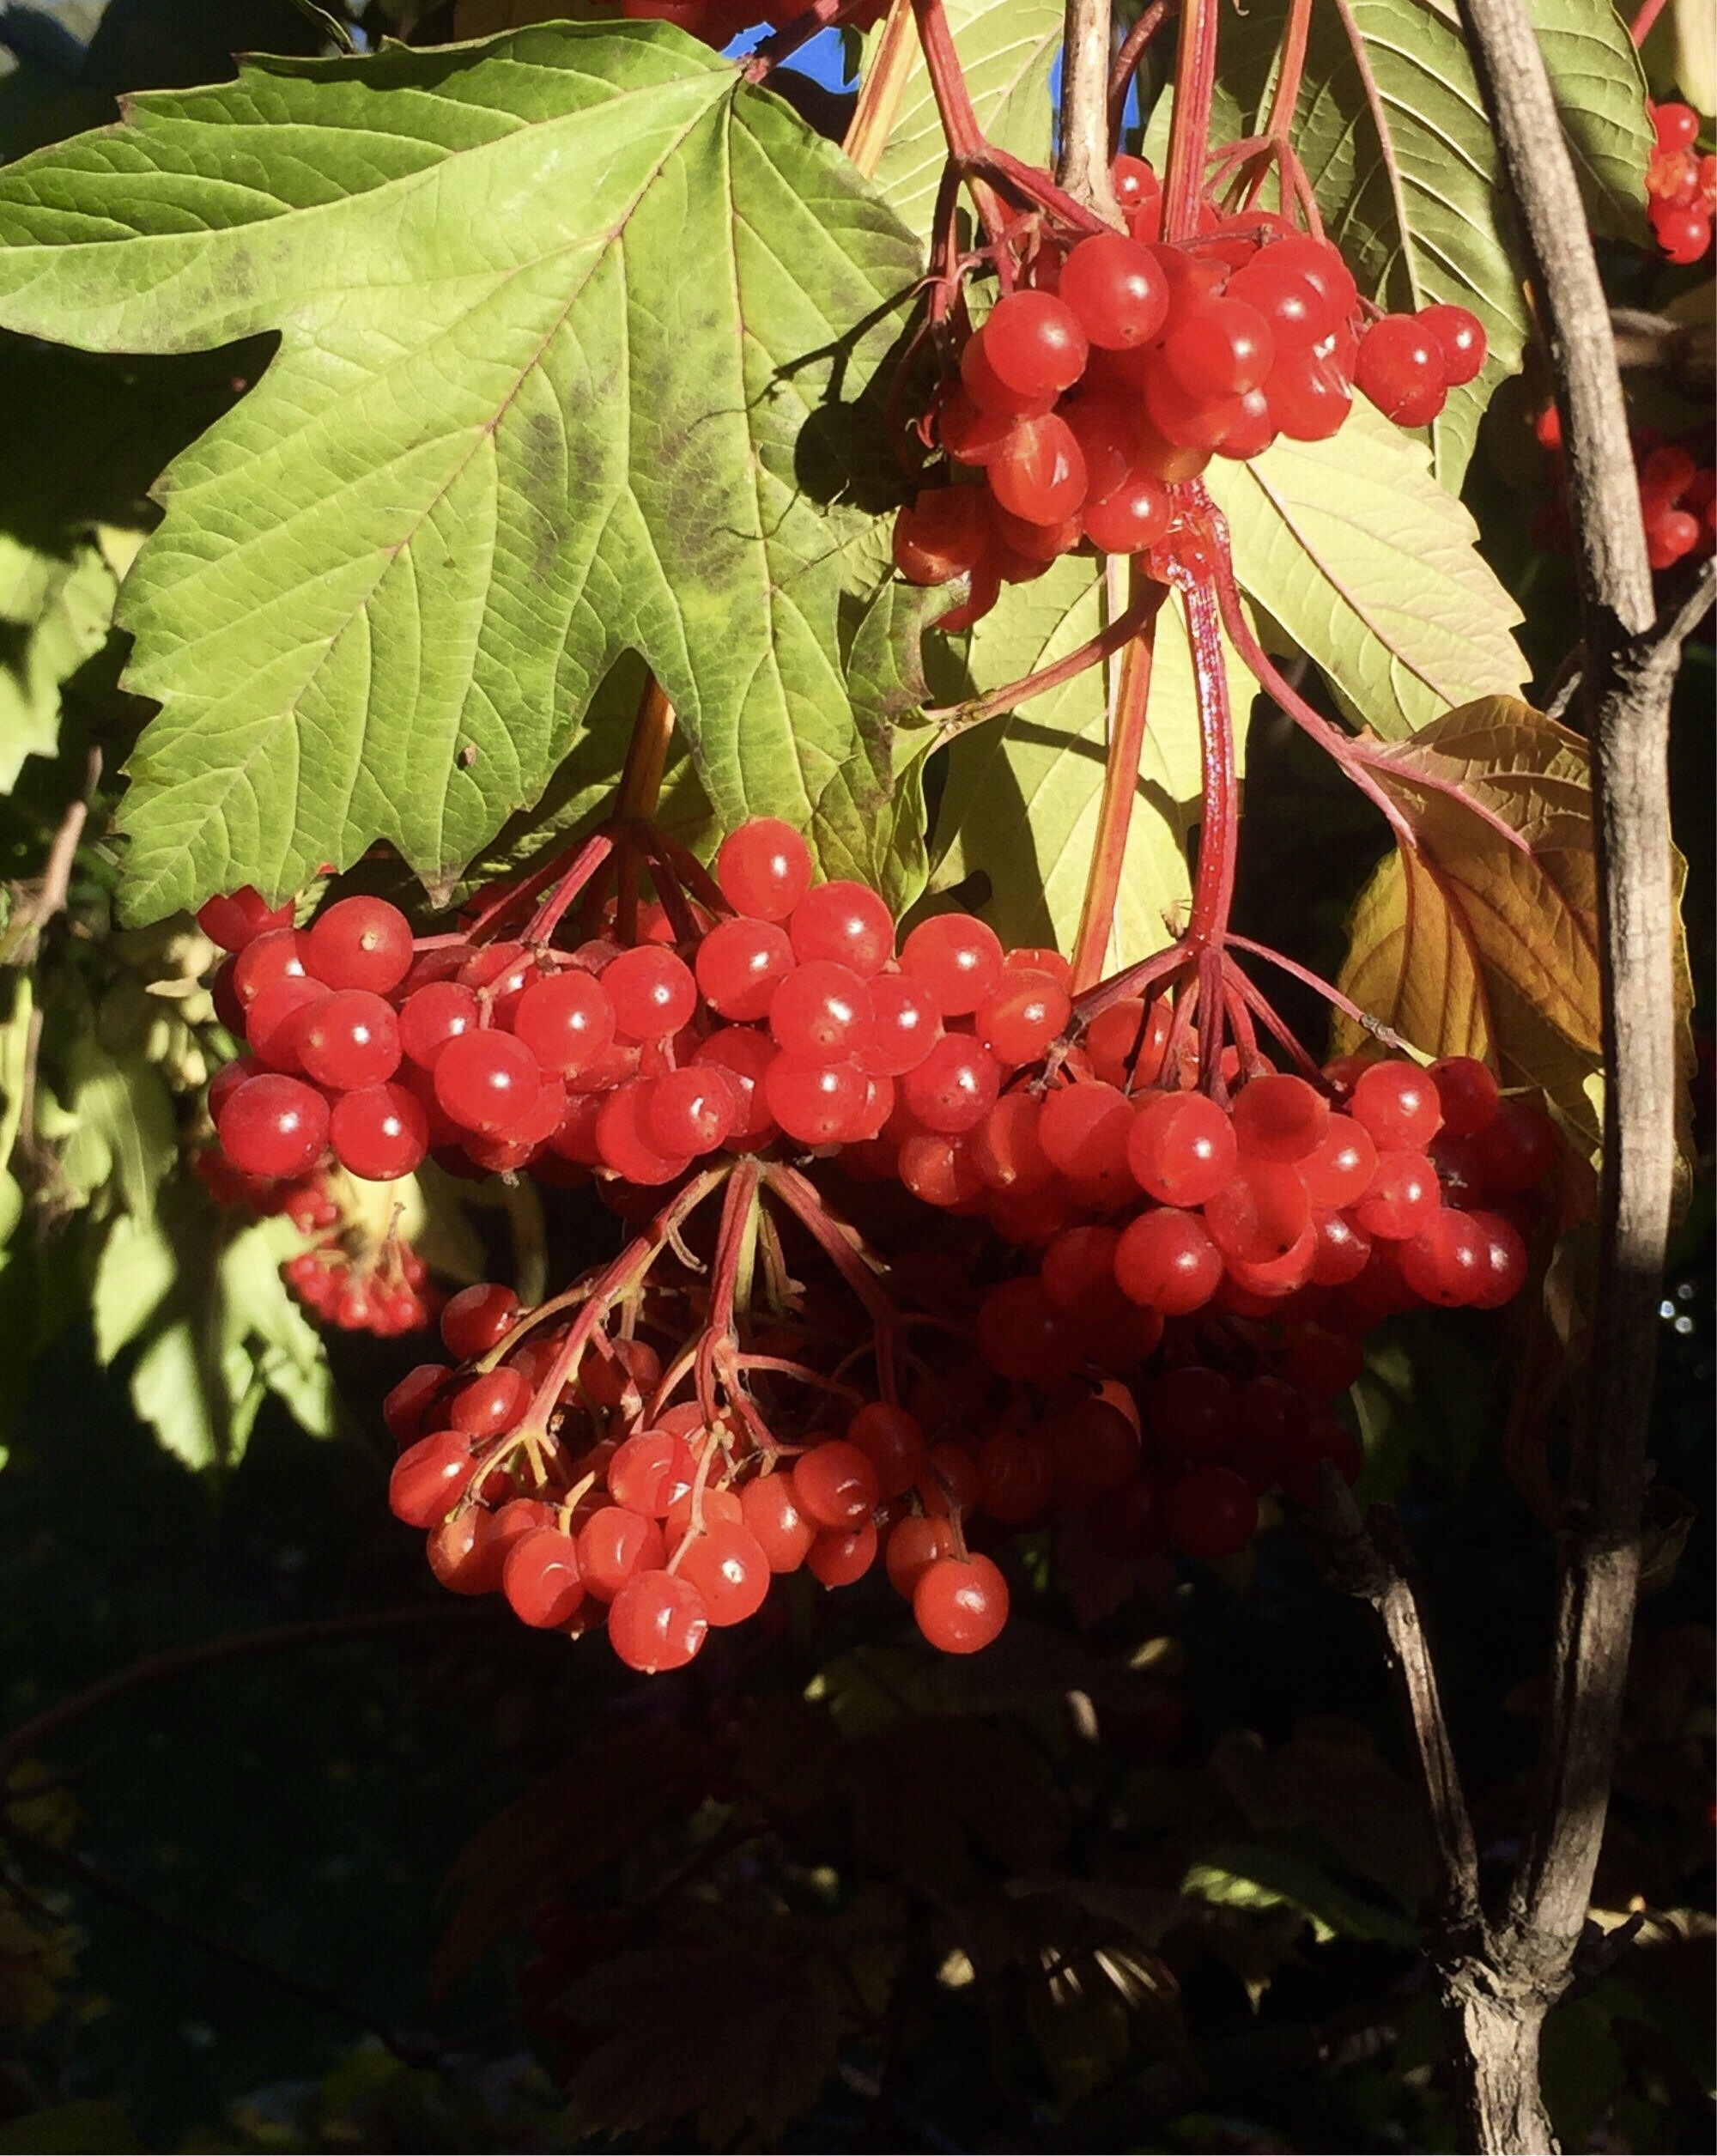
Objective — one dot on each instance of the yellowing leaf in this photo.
(1472, 946)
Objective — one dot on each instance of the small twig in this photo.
(1686, 610)
(1126, 64)
(955, 718)
(409, 2051)
(882, 90)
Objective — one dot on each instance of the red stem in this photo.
(1124, 628)
(1127, 62)
(1255, 1000)
(1643, 22)
(736, 1204)
(1189, 132)
(1327, 989)
(586, 862)
(960, 128)
(1219, 840)
(1120, 790)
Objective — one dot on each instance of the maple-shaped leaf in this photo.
(1481, 938)
(578, 335)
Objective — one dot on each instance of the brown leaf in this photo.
(741, 2028)
(564, 1826)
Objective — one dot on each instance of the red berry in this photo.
(478, 1319)
(653, 991)
(429, 1477)
(1515, 1151)
(1209, 1512)
(379, 1132)
(1006, 1148)
(846, 922)
(1167, 1262)
(360, 943)
(1398, 1105)
(1460, 338)
(773, 1514)
(1115, 286)
(764, 868)
(840, 1556)
(957, 959)
(1022, 1334)
(1020, 1016)
(1675, 125)
(1139, 192)
(954, 1087)
(1340, 1172)
(961, 1605)
(566, 1020)
(541, 1579)
(657, 1622)
(1504, 1273)
(487, 1082)
(1447, 1260)
(835, 1484)
(1182, 1148)
(1034, 343)
(274, 1125)
(740, 964)
(405, 1406)
(944, 533)
(1279, 1117)
(743, 1058)
(817, 1103)
(241, 916)
(893, 1442)
(1402, 370)
(1039, 474)
(432, 1016)
(691, 1112)
(1259, 1214)
(914, 1544)
(1134, 517)
(349, 1039)
(1467, 1093)
(1220, 348)
(613, 1544)
(490, 1404)
(727, 1566)
(1404, 1194)
(625, 1139)
(822, 1014)
(904, 1026)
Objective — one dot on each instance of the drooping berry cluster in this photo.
(1118, 365)
(1677, 495)
(350, 1276)
(1681, 186)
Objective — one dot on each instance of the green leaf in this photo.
(219, 1336)
(1254, 1877)
(124, 1134)
(1023, 791)
(574, 330)
(1408, 186)
(53, 613)
(1374, 569)
(1006, 48)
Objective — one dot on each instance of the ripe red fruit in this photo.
(739, 965)
(773, 1514)
(1220, 349)
(817, 1103)
(1460, 338)
(274, 1125)
(846, 922)
(1402, 370)
(691, 1112)
(624, 1137)
(944, 533)
(727, 1566)
(657, 1622)
(1398, 1105)
(349, 1039)
(487, 1082)
(280, 954)
(1403, 1195)
(1039, 473)
(764, 868)
(567, 1021)
(1020, 1016)
(653, 991)
(379, 1132)
(961, 1605)
(1182, 1148)
(1167, 1262)
(893, 1441)
(957, 959)
(1116, 289)
(742, 1057)
(821, 1012)
(835, 1484)
(405, 1406)
(1467, 1094)
(1006, 1149)
(613, 1545)
(1340, 1172)
(954, 1087)
(1139, 192)
(1209, 1512)
(241, 916)
(478, 1319)
(1299, 315)
(428, 1478)
(904, 1026)
(1504, 1273)
(360, 943)
(1516, 1149)
(1034, 343)
(1259, 1214)
(1280, 1117)
(840, 1556)
(1134, 517)
(914, 1545)
(938, 1170)
(1447, 1260)
(490, 1404)
(432, 1016)
(650, 1472)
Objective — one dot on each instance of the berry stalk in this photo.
(1120, 786)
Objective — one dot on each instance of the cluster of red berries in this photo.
(1677, 495)
(347, 1277)
(1681, 186)
(717, 22)
(1118, 365)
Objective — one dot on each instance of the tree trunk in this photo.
(1496, 2027)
